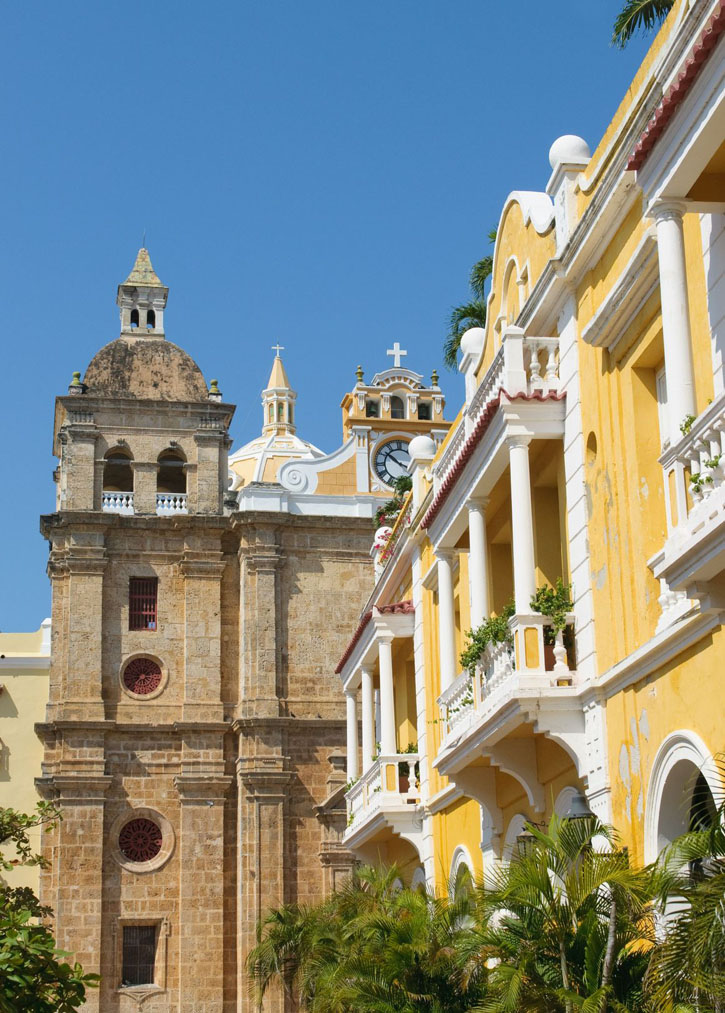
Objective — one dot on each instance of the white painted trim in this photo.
(678, 746)
(461, 856)
(302, 476)
(516, 825)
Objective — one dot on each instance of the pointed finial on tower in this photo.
(434, 378)
(214, 393)
(359, 374)
(142, 272)
(75, 386)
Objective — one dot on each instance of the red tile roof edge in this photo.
(396, 608)
(676, 93)
(470, 445)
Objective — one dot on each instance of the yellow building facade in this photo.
(588, 450)
(24, 667)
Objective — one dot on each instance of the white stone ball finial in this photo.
(421, 448)
(472, 341)
(569, 150)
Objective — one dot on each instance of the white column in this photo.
(477, 561)
(522, 523)
(368, 719)
(679, 369)
(352, 771)
(387, 697)
(446, 618)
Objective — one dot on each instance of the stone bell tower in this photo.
(139, 754)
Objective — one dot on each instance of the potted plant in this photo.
(404, 770)
(495, 630)
(555, 603)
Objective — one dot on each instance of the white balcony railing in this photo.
(522, 365)
(171, 503)
(117, 502)
(695, 468)
(497, 678)
(390, 784)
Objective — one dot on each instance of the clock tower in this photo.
(387, 413)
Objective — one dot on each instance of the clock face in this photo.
(391, 460)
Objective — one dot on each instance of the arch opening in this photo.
(171, 477)
(151, 319)
(397, 407)
(117, 471)
(134, 318)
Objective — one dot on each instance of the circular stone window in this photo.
(142, 676)
(140, 840)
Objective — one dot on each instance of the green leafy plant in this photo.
(686, 424)
(495, 630)
(697, 481)
(713, 462)
(555, 603)
(388, 512)
(33, 976)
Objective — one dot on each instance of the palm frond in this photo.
(639, 16)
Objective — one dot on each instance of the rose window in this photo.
(140, 840)
(142, 676)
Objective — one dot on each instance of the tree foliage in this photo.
(471, 313)
(33, 976)
(639, 17)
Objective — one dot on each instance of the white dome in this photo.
(421, 448)
(472, 341)
(569, 149)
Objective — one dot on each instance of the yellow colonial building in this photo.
(24, 668)
(589, 450)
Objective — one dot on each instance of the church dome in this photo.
(147, 368)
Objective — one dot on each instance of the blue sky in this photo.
(319, 173)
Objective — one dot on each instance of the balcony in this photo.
(694, 553)
(168, 503)
(522, 366)
(386, 796)
(117, 503)
(524, 681)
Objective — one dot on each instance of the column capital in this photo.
(444, 555)
(384, 638)
(516, 442)
(669, 210)
(351, 694)
(477, 504)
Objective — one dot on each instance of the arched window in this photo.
(151, 319)
(461, 879)
(683, 791)
(397, 407)
(424, 410)
(372, 409)
(134, 318)
(171, 475)
(271, 413)
(117, 471)
(280, 412)
(290, 415)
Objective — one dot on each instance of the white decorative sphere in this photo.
(421, 448)
(472, 341)
(569, 149)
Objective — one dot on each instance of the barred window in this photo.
(139, 955)
(142, 603)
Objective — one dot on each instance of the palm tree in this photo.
(687, 970)
(469, 314)
(567, 927)
(372, 946)
(639, 16)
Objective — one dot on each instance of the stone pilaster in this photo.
(202, 569)
(201, 892)
(264, 789)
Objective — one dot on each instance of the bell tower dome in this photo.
(142, 299)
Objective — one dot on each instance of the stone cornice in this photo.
(202, 788)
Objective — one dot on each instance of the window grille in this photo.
(142, 603)
(139, 955)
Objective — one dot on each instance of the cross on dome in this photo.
(278, 348)
(397, 352)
